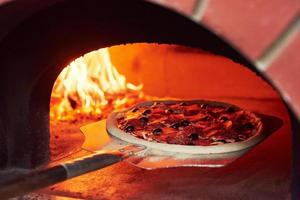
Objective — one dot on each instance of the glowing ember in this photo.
(89, 86)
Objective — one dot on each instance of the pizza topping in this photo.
(183, 104)
(189, 123)
(224, 118)
(211, 133)
(206, 118)
(129, 128)
(147, 112)
(191, 110)
(185, 123)
(157, 131)
(241, 137)
(248, 125)
(230, 109)
(134, 110)
(176, 125)
(144, 120)
(203, 106)
(194, 136)
(169, 111)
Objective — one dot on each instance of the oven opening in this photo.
(118, 77)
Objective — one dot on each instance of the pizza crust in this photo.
(112, 128)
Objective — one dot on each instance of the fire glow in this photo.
(91, 86)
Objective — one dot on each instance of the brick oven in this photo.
(172, 49)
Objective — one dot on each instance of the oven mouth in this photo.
(152, 71)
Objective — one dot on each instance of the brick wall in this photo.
(253, 27)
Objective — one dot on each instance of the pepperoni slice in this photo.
(189, 123)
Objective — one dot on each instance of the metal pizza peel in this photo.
(106, 136)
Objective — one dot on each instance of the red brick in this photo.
(184, 6)
(250, 25)
(3, 1)
(285, 72)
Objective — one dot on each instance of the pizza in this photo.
(189, 123)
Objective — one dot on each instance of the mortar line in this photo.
(278, 45)
(198, 10)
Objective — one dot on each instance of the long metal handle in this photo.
(42, 178)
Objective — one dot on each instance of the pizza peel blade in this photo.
(97, 139)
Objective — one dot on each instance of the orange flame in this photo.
(90, 84)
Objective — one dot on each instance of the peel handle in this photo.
(45, 177)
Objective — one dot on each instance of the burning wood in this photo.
(91, 87)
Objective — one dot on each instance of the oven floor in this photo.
(262, 173)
